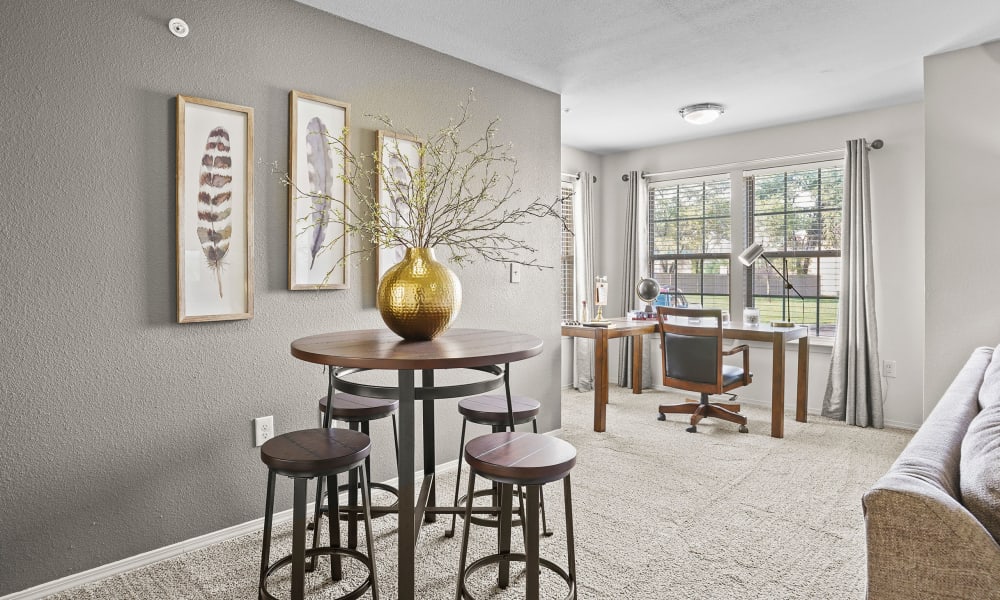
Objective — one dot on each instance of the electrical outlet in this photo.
(515, 273)
(889, 368)
(263, 430)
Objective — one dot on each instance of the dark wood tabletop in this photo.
(383, 349)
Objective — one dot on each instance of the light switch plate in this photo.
(515, 273)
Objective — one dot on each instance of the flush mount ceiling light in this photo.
(700, 114)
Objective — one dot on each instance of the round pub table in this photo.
(481, 350)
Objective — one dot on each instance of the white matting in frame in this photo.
(317, 244)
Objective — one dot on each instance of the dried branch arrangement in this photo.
(458, 194)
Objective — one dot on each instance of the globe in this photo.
(647, 289)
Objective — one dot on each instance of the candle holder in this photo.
(600, 297)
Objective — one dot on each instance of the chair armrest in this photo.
(746, 360)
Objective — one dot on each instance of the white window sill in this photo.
(821, 345)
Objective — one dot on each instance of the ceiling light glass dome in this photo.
(700, 114)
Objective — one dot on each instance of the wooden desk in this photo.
(778, 337)
(479, 349)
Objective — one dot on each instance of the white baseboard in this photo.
(147, 558)
(195, 543)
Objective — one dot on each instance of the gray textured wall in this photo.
(123, 431)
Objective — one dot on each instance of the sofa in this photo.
(933, 521)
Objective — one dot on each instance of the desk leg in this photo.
(802, 399)
(778, 388)
(407, 443)
(600, 380)
(636, 363)
(427, 382)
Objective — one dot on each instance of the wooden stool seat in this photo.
(315, 452)
(491, 409)
(303, 455)
(524, 459)
(520, 457)
(348, 407)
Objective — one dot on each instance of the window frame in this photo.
(814, 324)
(653, 257)
(738, 274)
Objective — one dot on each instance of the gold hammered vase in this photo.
(419, 297)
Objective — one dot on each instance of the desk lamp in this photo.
(756, 251)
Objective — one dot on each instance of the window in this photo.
(795, 213)
(566, 255)
(689, 239)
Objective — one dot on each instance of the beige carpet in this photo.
(660, 513)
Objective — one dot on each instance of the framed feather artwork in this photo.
(399, 156)
(214, 211)
(317, 244)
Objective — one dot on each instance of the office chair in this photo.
(691, 343)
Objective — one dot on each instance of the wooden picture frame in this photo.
(401, 153)
(214, 211)
(317, 242)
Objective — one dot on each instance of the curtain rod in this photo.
(874, 145)
(576, 176)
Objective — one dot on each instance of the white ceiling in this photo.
(624, 68)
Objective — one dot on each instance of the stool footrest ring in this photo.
(324, 551)
(515, 557)
(344, 487)
(491, 521)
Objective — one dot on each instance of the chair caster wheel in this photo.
(449, 534)
(692, 429)
(743, 429)
(661, 417)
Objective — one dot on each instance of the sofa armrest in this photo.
(923, 544)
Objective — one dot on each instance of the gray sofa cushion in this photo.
(979, 471)
(989, 393)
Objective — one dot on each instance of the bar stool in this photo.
(358, 412)
(491, 409)
(531, 460)
(301, 456)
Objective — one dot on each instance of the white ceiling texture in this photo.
(624, 68)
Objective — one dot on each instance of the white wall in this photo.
(898, 198)
(962, 96)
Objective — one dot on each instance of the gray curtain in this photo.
(854, 387)
(635, 265)
(583, 276)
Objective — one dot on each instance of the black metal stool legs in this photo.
(366, 501)
(265, 555)
(541, 493)
(503, 540)
(458, 480)
(531, 543)
(460, 592)
(570, 542)
(333, 502)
